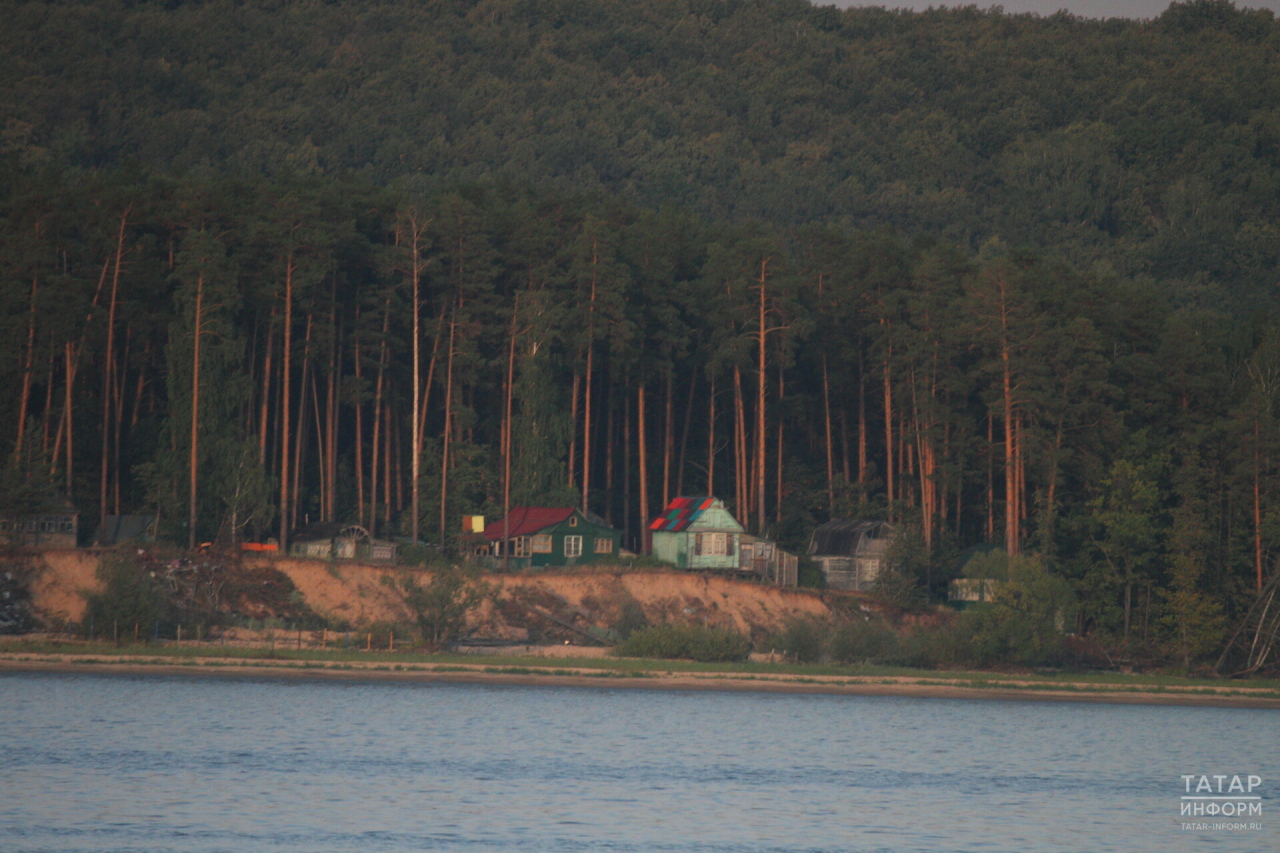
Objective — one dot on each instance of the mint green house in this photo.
(697, 533)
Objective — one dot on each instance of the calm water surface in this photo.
(94, 763)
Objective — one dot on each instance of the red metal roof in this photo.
(528, 519)
(680, 513)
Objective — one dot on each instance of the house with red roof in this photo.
(540, 536)
(697, 533)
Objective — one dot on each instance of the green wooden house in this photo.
(539, 537)
(697, 533)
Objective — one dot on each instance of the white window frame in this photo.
(573, 546)
(715, 544)
(540, 543)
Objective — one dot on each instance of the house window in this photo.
(604, 545)
(519, 546)
(573, 521)
(573, 546)
(540, 544)
(714, 544)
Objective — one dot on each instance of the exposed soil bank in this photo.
(537, 673)
(363, 595)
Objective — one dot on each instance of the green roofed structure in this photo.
(697, 533)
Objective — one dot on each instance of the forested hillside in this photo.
(1005, 280)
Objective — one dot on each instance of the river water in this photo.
(102, 763)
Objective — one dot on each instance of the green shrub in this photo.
(1024, 622)
(862, 641)
(630, 619)
(706, 645)
(131, 596)
(802, 640)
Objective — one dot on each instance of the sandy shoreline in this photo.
(540, 674)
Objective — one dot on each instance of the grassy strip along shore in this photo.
(762, 676)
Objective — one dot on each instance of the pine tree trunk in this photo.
(777, 509)
(266, 389)
(378, 427)
(1257, 503)
(285, 367)
(888, 430)
(359, 413)
(108, 370)
(644, 471)
(448, 427)
(609, 443)
(573, 432)
(760, 398)
(666, 446)
(506, 439)
(195, 416)
(711, 439)
(416, 451)
(586, 407)
(626, 467)
(826, 416)
(742, 505)
(26, 370)
(302, 424)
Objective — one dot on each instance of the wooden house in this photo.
(851, 553)
(541, 537)
(54, 528)
(697, 533)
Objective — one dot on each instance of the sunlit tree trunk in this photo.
(285, 367)
(644, 470)
(25, 398)
(761, 366)
(108, 369)
(448, 427)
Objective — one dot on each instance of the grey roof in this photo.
(847, 537)
(124, 528)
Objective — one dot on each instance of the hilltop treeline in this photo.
(1145, 148)
(1006, 280)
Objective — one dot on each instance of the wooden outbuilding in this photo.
(54, 528)
(851, 553)
(334, 541)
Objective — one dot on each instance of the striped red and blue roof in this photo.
(681, 513)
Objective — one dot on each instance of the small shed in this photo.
(851, 553)
(116, 529)
(697, 533)
(764, 558)
(335, 541)
(541, 536)
(54, 528)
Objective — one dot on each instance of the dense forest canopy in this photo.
(1139, 147)
(1005, 280)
